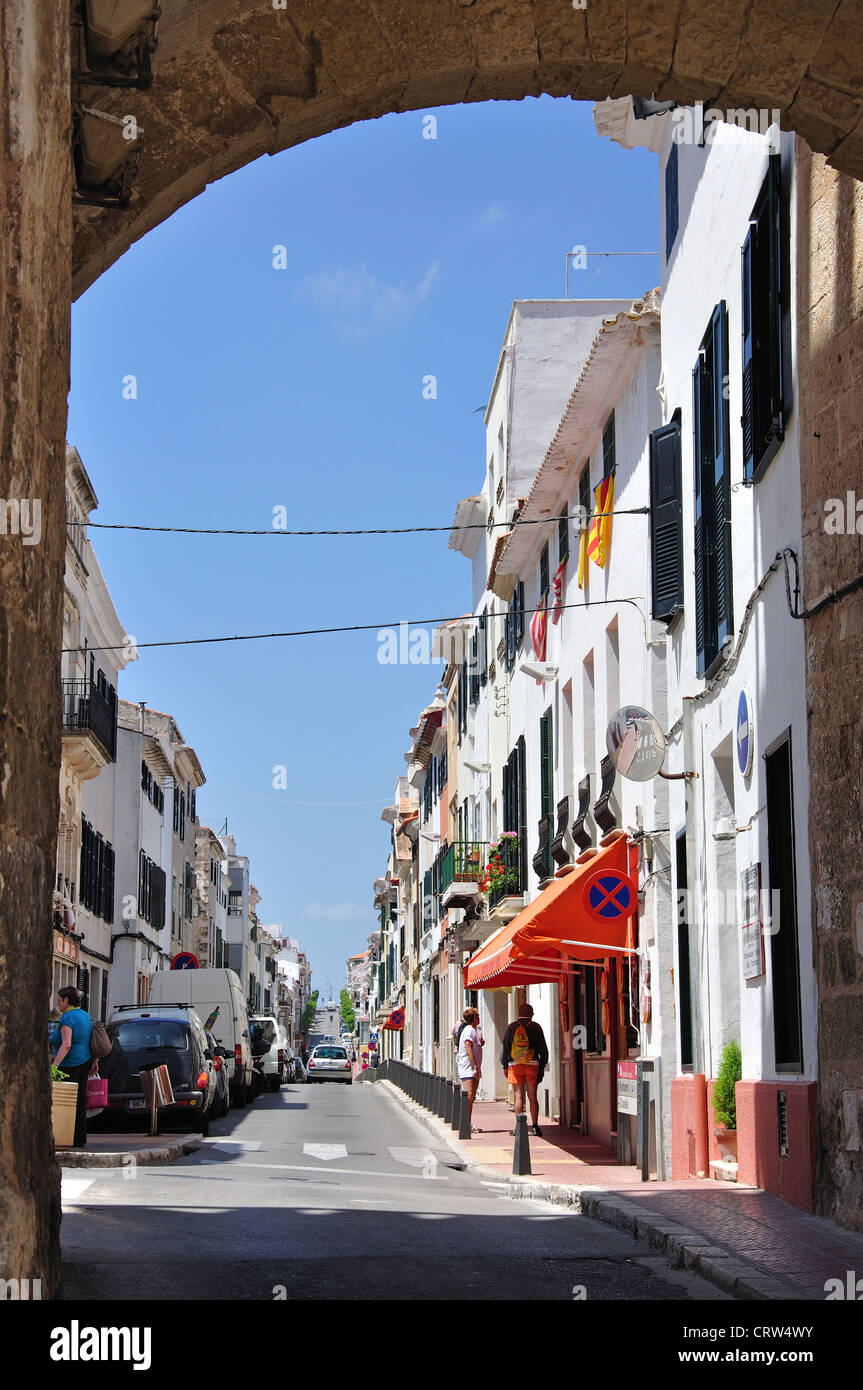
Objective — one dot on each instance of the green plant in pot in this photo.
(724, 1098)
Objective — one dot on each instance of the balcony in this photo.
(89, 728)
(506, 878)
(543, 863)
(462, 870)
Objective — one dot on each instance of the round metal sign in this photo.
(184, 960)
(636, 743)
(609, 895)
(743, 739)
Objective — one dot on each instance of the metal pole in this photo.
(447, 1102)
(455, 1122)
(521, 1151)
(464, 1116)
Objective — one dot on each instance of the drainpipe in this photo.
(694, 867)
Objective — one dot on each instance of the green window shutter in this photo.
(666, 512)
(546, 763)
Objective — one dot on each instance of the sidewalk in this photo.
(119, 1150)
(746, 1241)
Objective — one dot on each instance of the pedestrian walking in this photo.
(524, 1058)
(70, 1041)
(470, 1059)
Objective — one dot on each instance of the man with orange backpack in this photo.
(524, 1057)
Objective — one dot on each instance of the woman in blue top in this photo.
(71, 1042)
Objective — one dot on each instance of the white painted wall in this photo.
(719, 186)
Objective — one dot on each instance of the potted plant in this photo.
(724, 1099)
(64, 1103)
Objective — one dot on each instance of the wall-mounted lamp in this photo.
(477, 767)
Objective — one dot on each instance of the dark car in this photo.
(171, 1034)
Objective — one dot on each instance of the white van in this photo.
(205, 991)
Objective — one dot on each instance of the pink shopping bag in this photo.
(97, 1093)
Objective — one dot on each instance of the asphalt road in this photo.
(326, 1021)
(333, 1192)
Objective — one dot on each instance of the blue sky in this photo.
(303, 387)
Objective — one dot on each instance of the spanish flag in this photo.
(599, 540)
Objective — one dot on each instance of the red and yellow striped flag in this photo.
(599, 541)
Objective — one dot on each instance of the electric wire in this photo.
(353, 627)
(356, 531)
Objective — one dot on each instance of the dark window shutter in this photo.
(543, 571)
(519, 616)
(666, 536)
(764, 326)
(722, 479)
(671, 199)
(563, 536)
(520, 801)
(609, 447)
(747, 419)
(701, 574)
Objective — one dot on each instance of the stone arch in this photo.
(236, 80)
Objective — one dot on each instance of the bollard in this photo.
(428, 1085)
(441, 1097)
(456, 1104)
(447, 1103)
(464, 1116)
(521, 1151)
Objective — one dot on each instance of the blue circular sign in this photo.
(609, 895)
(743, 733)
(184, 960)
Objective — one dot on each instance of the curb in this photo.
(121, 1158)
(684, 1248)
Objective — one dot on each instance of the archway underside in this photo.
(234, 80)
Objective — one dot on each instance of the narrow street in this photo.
(333, 1192)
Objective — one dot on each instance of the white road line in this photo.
(236, 1146)
(307, 1168)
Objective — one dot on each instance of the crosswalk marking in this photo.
(325, 1152)
(73, 1188)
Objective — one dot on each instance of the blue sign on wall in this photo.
(743, 733)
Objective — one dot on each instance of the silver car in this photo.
(329, 1062)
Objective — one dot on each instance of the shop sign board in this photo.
(627, 1088)
(751, 925)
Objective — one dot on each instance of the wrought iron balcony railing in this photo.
(464, 861)
(85, 709)
(507, 877)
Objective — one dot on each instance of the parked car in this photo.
(330, 1063)
(265, 1029)
(206, 991)
(144, 1036)
(299, 1075)
(220, 1077)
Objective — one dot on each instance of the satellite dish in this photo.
(636, 743)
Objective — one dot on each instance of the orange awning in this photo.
(587, 914)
